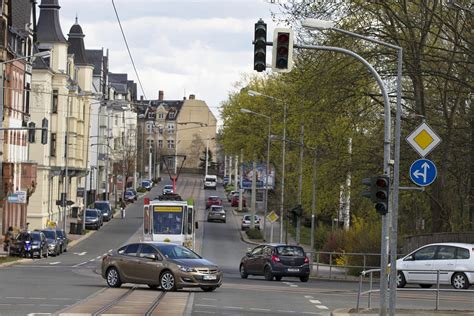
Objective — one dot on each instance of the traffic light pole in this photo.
(300, 187)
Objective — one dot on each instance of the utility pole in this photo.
(225, 165)
(313, 201)
(230, 170)
(207, 155)
(282, 206)
(150, 153)
(107, 158)
(236, 171)
(300, 186)
(254, 194)
(66, 156)
(241, 191)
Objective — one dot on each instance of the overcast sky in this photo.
(183, 47)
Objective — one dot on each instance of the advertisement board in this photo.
(261, 175)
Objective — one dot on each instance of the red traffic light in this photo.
(382, 182)
(283, 37)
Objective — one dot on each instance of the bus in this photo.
(169, 221)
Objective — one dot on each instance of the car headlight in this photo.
(186, 269)
(35, 246)
(51, 245)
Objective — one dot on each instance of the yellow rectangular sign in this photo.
(173, 209)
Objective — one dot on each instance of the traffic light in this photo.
(260, 46)
(44, 131)
(382, 188)
(378, 192)
(31, 132)
(282, 59)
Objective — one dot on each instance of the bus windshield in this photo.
(170, 223)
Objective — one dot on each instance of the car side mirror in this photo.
(196, 225)
(409, 258)
(248, 254)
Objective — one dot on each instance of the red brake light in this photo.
(275, 258)
(306, 260)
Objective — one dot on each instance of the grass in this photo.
(8, 259)
(254, 233)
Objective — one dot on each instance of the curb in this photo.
(6, 264)
(243, 236)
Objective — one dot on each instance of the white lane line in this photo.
(91, 260)
(79, 264)
(310, 313)
(23, 304)
(315, 301)
(308, 296)
(282, 311)
(260, 309)
(321, 307)
(16, 297)
(56, 262)
(36, 298)
(293, 285)
(110, 250)
(80, 253)
(62, 299)
(98, 257)
(204, 305)
(232, 307)
(52, 305)
(209, 299)
(205, 312)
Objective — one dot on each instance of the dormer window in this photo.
(171, 115)
(161, 115)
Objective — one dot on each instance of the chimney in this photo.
(161, 95)
(192, 97)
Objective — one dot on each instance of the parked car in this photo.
(164, 265)
(93, 218)
(230, 195)
(235, 201)
(213, 200)
(246, 221)
(54, 242)
(147, 184)
(216, 213)
(129, 196)
(106, 210)
(275, 261)
(29, 244)
(453, 260)
(168, 189)
(64, 241)
(210, 181)
(134, 192)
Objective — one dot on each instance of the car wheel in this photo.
(153, 286)
(243, 273)
(267, 273)
(208, 288)
(304, 278)
(401, 281)
(425, 286)
(459, 281)
(224, 222)
(113, 278)
(167, 281)
(278, 278)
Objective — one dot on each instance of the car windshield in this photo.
(176, 252)
(213, 198)
(49, 234)
(210, 180)
(128, 193)
(290, 251)
(101, 206)
(91, 213)
(36, 236)
(217, 209)
(247, 218)
(60, 233)
(168, 186)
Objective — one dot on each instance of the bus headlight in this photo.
(186, 269)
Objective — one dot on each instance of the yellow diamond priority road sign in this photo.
(272, 217)
(423, 139)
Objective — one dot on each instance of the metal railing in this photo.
(437, 289)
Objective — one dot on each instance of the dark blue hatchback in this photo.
(276, 261)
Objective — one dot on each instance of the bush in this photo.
(141, 190)
(335, 242)
(229, 188)
(254, 234)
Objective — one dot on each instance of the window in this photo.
(149, 142)
(426, 253)
(257, 251)
(170, 144)
(446, 253)
(170, 128)
(54, 105)
(462, 253)
(131, 250)
(161, 115)
(52, 148)
(149, 128)
(172, 115)
(160, 143)
(146, 251)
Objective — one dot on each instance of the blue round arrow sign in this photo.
(423, 172)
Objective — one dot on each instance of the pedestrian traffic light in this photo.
(31, 132)
(282, 57)
(44, 131)
(260, 46)
(382, 188)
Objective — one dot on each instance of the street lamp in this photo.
(267, 173)
(253, 93)
(329, 25)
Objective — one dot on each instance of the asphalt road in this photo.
(50, 285)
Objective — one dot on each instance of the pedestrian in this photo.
(8, 238)
(122, 207)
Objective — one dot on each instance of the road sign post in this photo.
(272, 217)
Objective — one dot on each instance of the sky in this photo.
(182, 47)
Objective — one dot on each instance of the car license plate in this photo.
(209, 277)
(293, 270)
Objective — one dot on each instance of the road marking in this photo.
(110, 250)
(204, 305)
(281, 311)
(209, 299)
(91, 260)
(205, 312)
(321, 307)
(16, 297)
(311, 313)
(35, 314)
(98, 257)
(55, 305)
(80, 253)
(260, 309)
(36, 298)
(79, 264)
(315, 301)
(290, 284)
(293, 285)
(232, 307)
(56, 262)
(308, 296)
(64, 299)
(23, 304)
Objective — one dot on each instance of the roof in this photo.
(49, 27)
(118, 78)
(21, 14)
(76, 45)
(96, 58)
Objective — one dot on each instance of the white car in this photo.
(168, 189)
(246, 221)
(210, 181)
(454, 261)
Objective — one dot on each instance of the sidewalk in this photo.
(400, 312)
